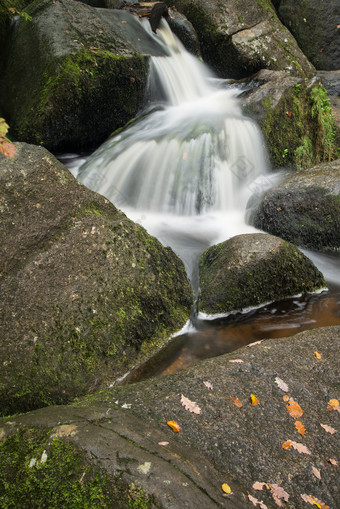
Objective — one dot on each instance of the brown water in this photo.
(212, 338)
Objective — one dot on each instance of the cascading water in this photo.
(190, 158)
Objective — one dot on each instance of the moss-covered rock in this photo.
(74, 74)
(315, 26)
(240, 37)
(249, 270)
(295, 116)
(304, 208)
(126, 439)
(85, 293)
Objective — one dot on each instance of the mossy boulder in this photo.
(252, 269)
(119, 439)
(238, 38)
(74, 74)
(85, 293)
(304, 208)
(315, 26)
(295, 116)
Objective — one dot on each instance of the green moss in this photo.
(38, 469)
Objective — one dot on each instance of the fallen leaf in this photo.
(333, 403)
(316, 472)
(327, 428)
(209, 385)
(174, 426)
(333, 462)
(236, 401)
(163, 443)
(300, 428)
(226, 488)
(257, 502)
(281, 384)
(254, 400)
(123, 21)
(101, 31)
(285, 398)
(236, 360)
(277, 493)
(259, 485)
(191, 406)
(302, 449)
(314, 501)
(317, 355)
(294, 409)
(7, 148)
(255, 343)
(286, 444)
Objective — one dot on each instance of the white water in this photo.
(184, 169)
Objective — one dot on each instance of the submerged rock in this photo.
(238, 38)
(252, 269)
(74, 74)
(295, 116)
(120, 437)
(85, 293)
(304, 208)
(315, 26)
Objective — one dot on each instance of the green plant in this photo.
(24, 15)
(6, 146)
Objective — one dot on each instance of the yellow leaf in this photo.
(300, 428)
(317, 355)
(226, 488)
(334, 403)
(254, 400)
(174, 426)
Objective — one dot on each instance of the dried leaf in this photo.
(226, 488)
(277, 493)
(302, 449)
(209, 385)
(259, 485)
(294, 409)
(314, 501)
(281, 384)
(286, 444)
(163, 443)
(255, 343)
(236, 401)
(333, 403)
(327, 428)
(333, 462)
(300, 428)
(317, 355)
(191, 406)
(285, 398)
(257, 502)
(174, 426)
(316, 472)
(7, 148)
(254, 400)
(236, 360)
(100, 31)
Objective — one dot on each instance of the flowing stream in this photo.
(184, 169)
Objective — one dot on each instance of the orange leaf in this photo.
(317, 355)
(174, 426)
(236, 401)
(101, 31)
(285, 398)
(294, 409)
(226, 488)
(286, 444)
(333, 403)
(254, 400)
(7, 149)
(300, 428)
(289, 113)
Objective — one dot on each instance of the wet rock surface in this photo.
(304, 208)
(123, 430)
(85, 291)
(252, 269)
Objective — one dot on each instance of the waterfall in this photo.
(185, 166)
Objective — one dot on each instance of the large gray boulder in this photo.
(86, 294)
(315, 26)
(304, 208)
(252, 269)
(240, 37)
(295, 116)
(117, 450)
(74, 74)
